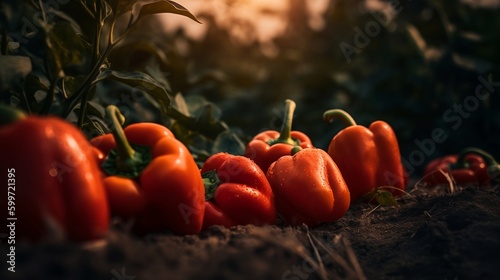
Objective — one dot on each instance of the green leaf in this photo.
(141, 81)
(385, 198)
(64, 45)
(209, 129)
(164, 6)
(180, 104)
(121, 7)
(198, 115)
(208, 114)
(228, 142)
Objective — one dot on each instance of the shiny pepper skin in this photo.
(368, 157)
(56, 186)
(308, 188)
(237, 191)
(268, 146)
(166, 193)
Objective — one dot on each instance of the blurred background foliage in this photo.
(414, 71)
(423, 63)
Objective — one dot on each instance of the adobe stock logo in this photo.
(372, 29)
(454, 117)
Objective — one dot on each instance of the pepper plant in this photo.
(55, 60)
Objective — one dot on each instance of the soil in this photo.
(429, 236)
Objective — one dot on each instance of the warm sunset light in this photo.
(249, 139)
(267, 18)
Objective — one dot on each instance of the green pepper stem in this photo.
(211, 182)
(127, 159)
(9, 115)
(488, 159)
(295, 150)
(286, 128)
(330, 115)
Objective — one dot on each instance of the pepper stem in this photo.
(286, 128)
(295, 150)
(211, 182)
(127, 160)
(9, 115)
(125, 151)
(330, 115)
(488, 159)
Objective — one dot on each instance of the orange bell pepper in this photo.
(368, 158)
(153, 179)
(308, 188)
(268, 146)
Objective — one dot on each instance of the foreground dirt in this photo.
(429, 236)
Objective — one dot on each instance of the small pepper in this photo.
(237, 192)
(54, 186)
(368, 158)
(308, 188)
(268, 146)
(151, 176)
(472, 166)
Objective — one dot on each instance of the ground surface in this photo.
(430, 236)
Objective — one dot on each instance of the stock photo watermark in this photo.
(454, 117)
(188, 210)
(362, 37)
(11, 219)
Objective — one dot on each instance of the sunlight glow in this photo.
(266, 17)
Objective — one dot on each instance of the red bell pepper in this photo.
(268, 146)
(237, 192)
(54, 186)
(472, 166)
(308, 188)
(368, 158)
(152, 177)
